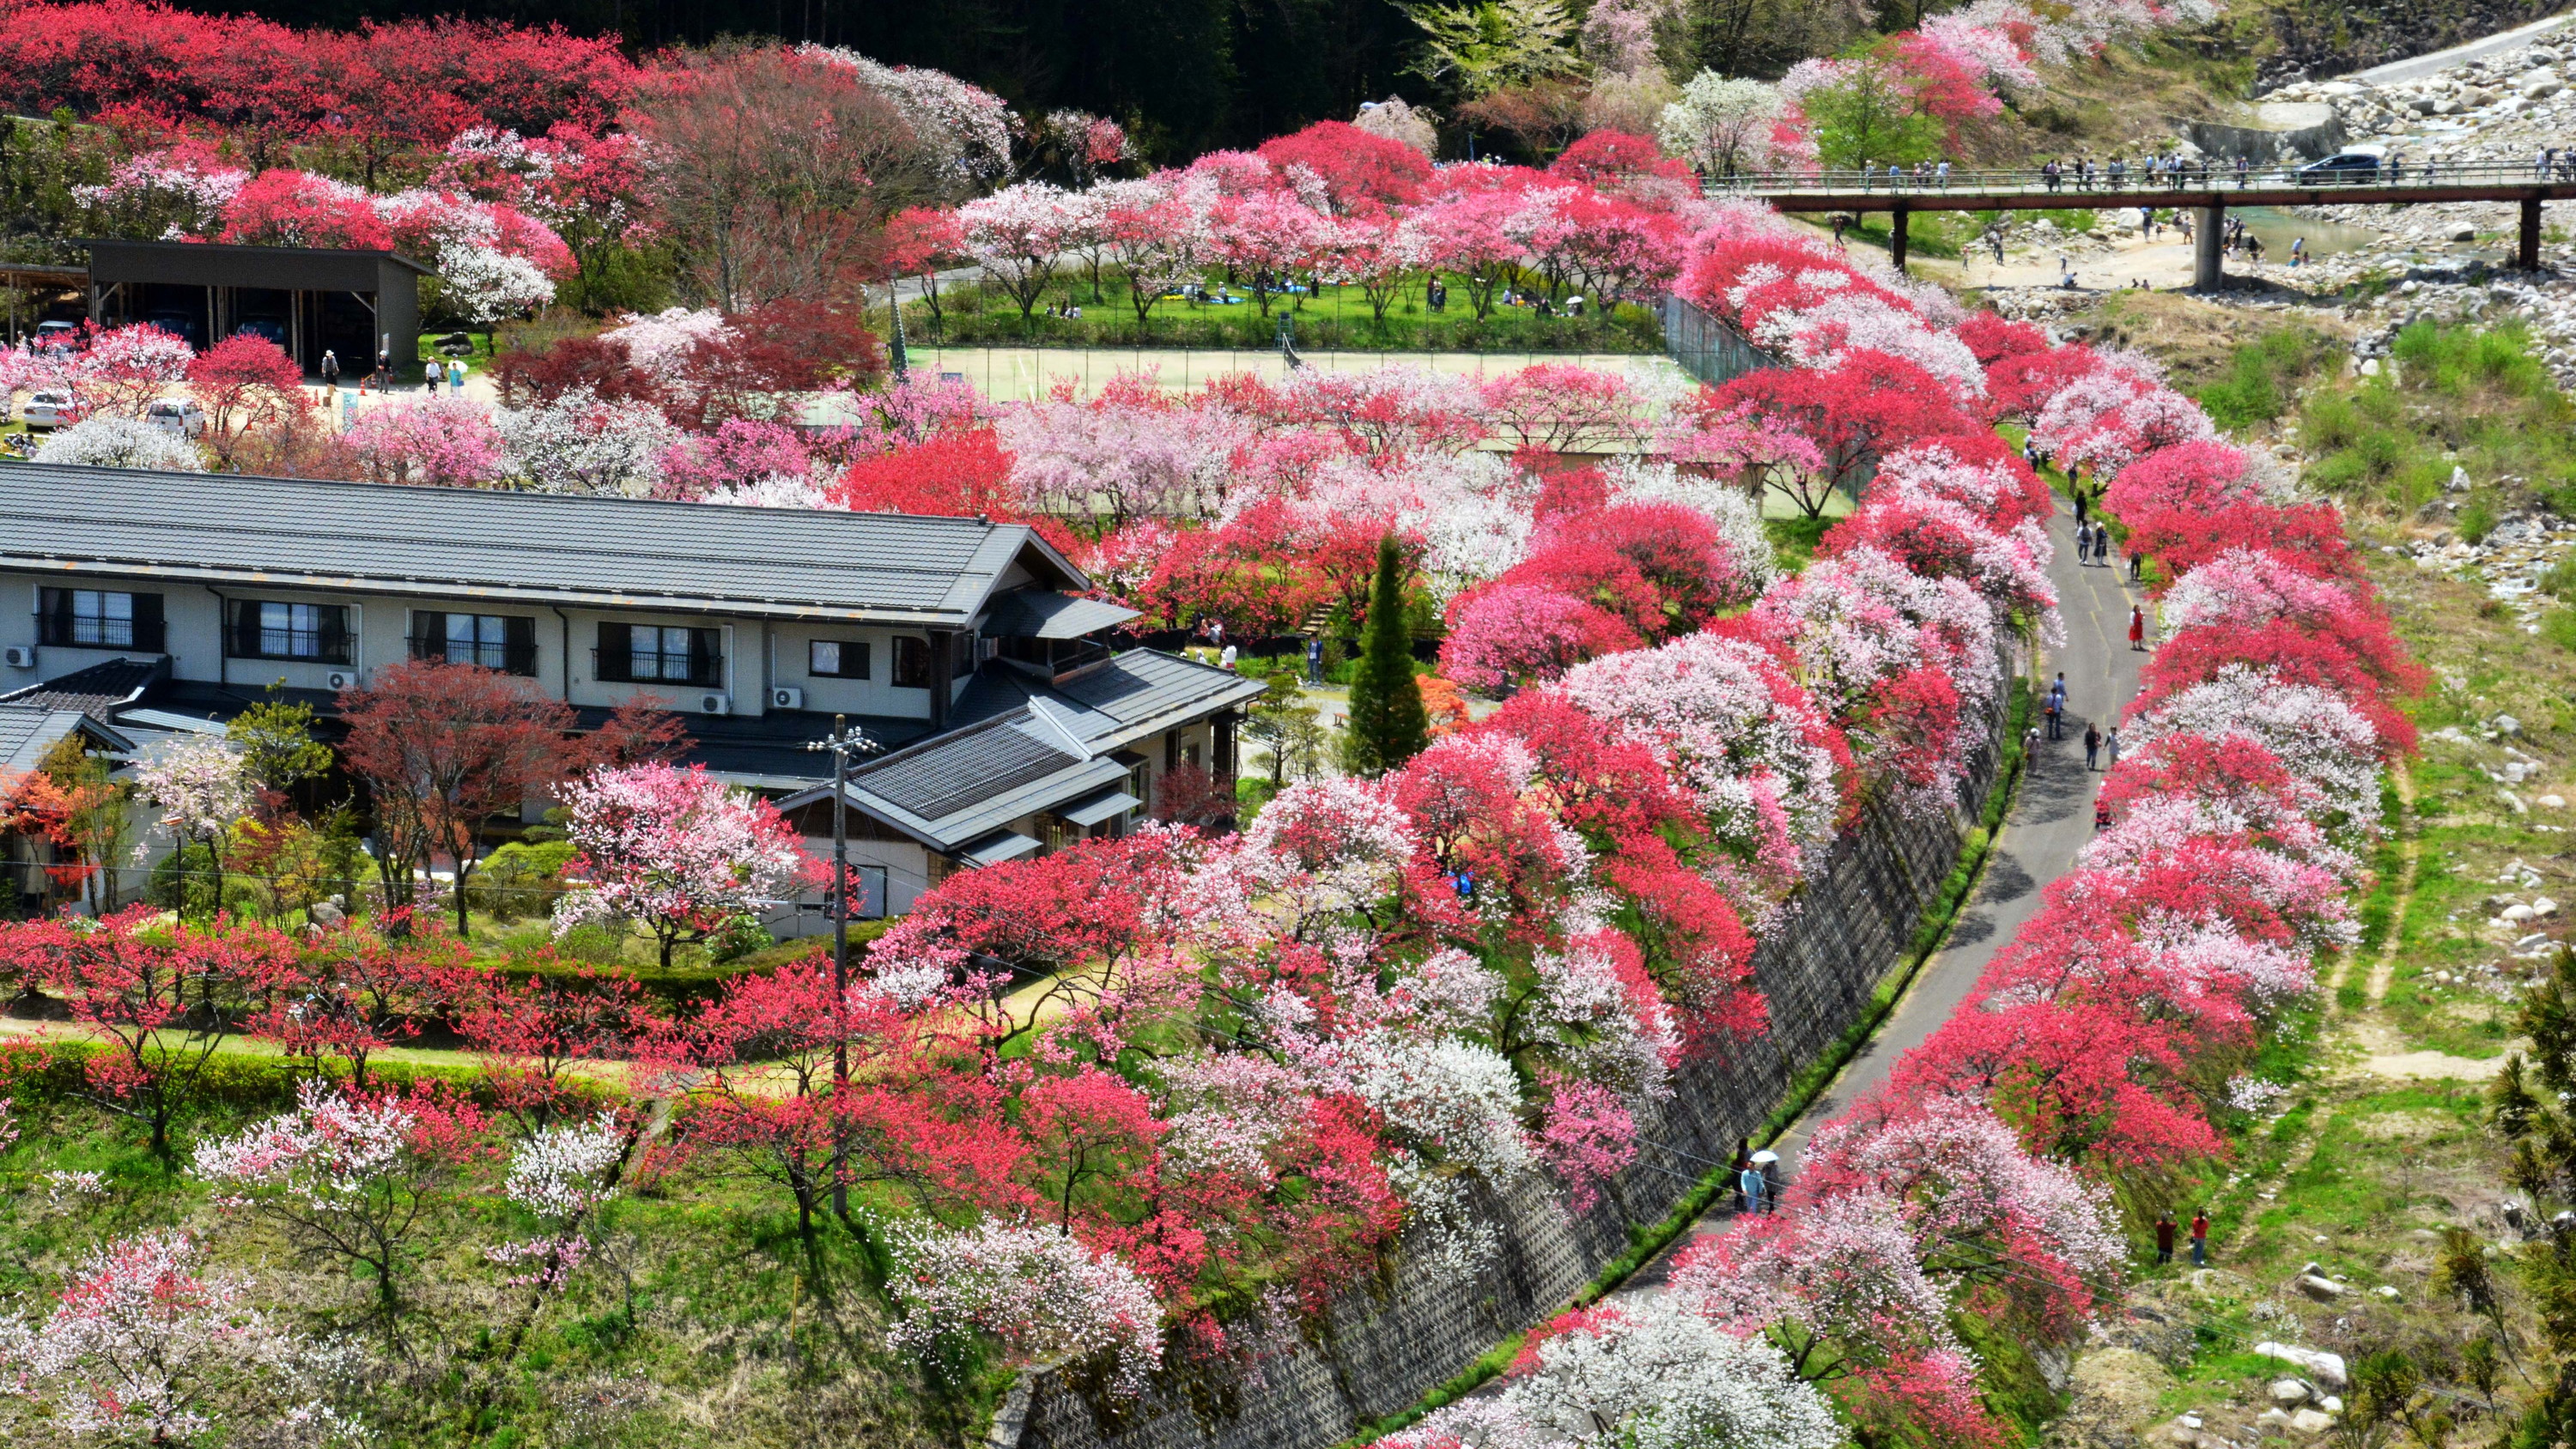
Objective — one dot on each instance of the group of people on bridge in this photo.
(2171, 172)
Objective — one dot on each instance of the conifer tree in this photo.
(1388, 725)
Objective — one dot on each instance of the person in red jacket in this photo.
(2200, 1238)
(2137, 627)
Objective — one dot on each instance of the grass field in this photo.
(1340, 318)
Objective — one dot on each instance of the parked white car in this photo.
(179, 417)
(49, 407)
(56, 337)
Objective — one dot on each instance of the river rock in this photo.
(2288, 1392)
(2326, 1368)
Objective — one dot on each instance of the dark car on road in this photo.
(2350, 168)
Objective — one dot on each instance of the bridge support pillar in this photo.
(2530, 250)
(1896, 236)
(2208, 236)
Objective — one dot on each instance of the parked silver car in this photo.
(179, 417)
(48, 407)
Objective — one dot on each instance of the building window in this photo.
(836, 659)
(911, 662)
(656, 654)
(269, 629)
(98, 619)
(506, 642)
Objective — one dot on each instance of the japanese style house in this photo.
(970, 651)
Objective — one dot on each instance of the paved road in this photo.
(2416, 67)
(2050, 821)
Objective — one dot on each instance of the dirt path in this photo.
(2050, 822)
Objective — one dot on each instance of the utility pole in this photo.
(843, 742)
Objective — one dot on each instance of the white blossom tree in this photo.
(142, 1347)
(113, 440)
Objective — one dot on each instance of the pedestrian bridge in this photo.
(2208, 191)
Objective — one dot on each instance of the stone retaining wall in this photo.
(1379, 1352)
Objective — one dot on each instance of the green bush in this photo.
(2264, 376)
(2477, 518)
(520, 879)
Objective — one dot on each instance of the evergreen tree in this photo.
(1388, 725)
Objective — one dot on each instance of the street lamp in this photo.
(843, 742)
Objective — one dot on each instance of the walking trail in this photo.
(2051, 820)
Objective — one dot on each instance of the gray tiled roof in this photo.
(1137, 691)
(475, 543)
(28, 731)
(1046, 614)
(95, 691)
(1030, 746)
(948, 774)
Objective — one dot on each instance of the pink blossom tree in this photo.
(144, 1346)
(446, 442)
(348, 1178)
(678, 852)
(1019, 235)
(1038, 1292)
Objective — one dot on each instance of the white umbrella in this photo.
(1765, 1155)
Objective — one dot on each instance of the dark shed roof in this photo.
(215, 264)
(465, 543)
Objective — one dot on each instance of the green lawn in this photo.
(1338, 319)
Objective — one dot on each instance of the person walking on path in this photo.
(2082, 507)
(2137, 621)
(432, 374)
(2057, 708)
(2111, 750)
(1771, 1185)
(2164, 1237)
(1748, 1185)
(1743, 1164)
(330, 368)
(2200, 1238)
(2092, 745)
(2137, 567)
(2083, 541)
(2101, 545)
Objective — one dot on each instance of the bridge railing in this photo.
(1879, 181)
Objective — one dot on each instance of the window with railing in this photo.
(506, 642)
(98, 619)
(659, 654)
(275, 629)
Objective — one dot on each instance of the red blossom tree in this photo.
(442, 748)
(247, 384)
(156, 995)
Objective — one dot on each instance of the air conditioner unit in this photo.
(785, 698)
(20, 656)
(715, 704)
(339, 679)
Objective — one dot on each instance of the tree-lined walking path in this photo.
(2051, 820)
